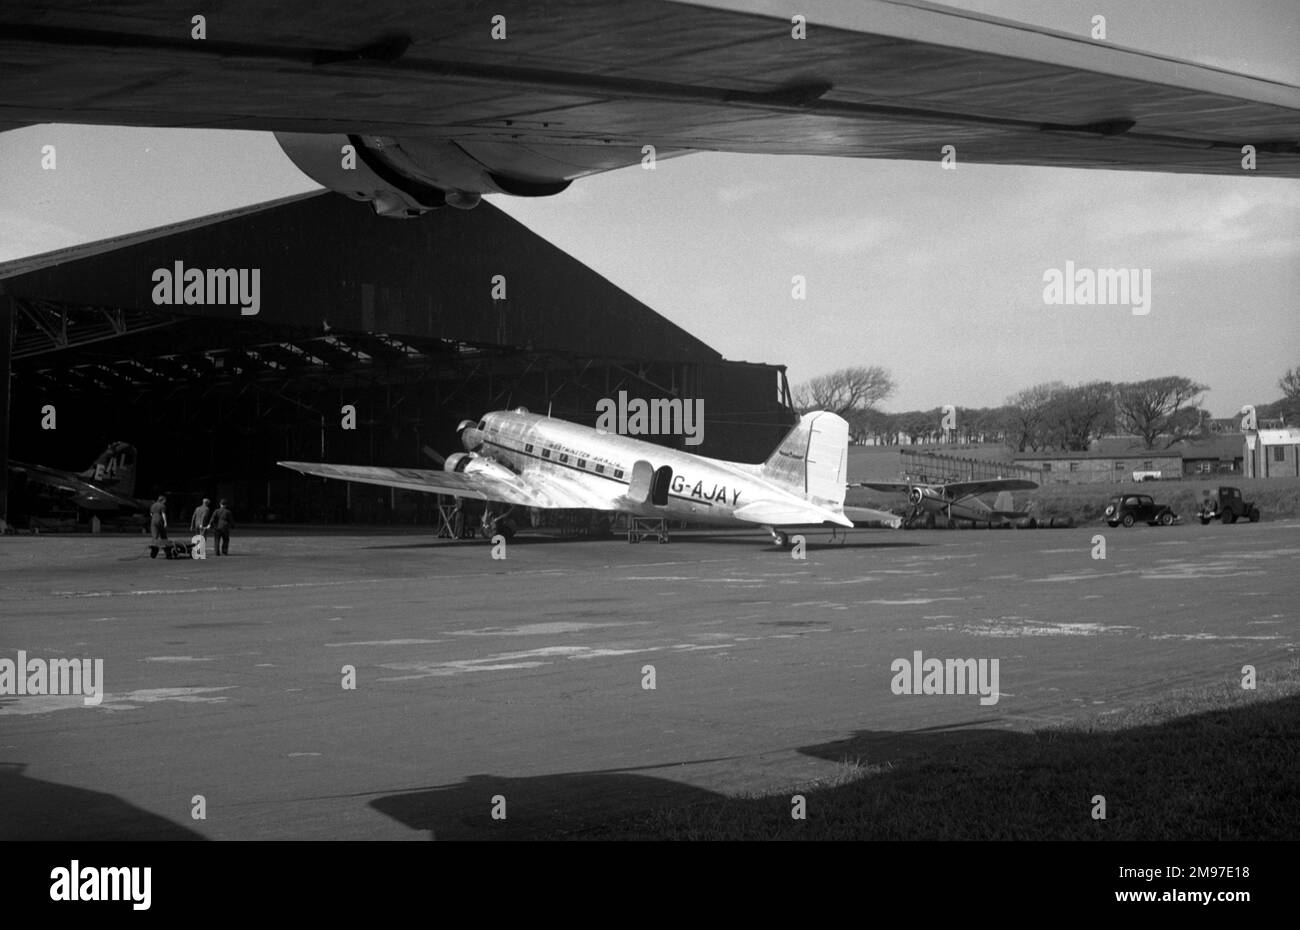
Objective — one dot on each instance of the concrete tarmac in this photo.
(523, 682)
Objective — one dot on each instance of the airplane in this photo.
(412, 107)
(527, 460)
(958, 500)
(107, 487)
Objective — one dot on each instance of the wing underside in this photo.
(514, 490)
(578, 87)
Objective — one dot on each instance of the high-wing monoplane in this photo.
(957, 500)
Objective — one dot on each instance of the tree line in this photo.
(1052, 416)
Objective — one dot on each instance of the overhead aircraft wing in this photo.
(490, 487)
(446, 98)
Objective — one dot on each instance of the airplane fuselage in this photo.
(606, 468)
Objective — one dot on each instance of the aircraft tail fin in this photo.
(812, 460)
(114, 469)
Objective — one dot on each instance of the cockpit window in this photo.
(482, 425)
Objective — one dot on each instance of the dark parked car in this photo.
(1130, 508)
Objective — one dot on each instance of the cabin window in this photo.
(618, 473)
(546, 453)
(1119, 466)
(563, 459)
(582, 463)
(1074, 466)
(528, 447)
(600, 469)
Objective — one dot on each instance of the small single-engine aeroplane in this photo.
(957, 500)
(527, 460)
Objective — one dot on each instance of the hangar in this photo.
(356, 339)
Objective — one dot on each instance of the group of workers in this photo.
(221, 521)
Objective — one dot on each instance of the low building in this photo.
(1104, 467)
(1272, 453)
(1215, 455)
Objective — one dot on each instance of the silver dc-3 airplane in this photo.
(527, 460)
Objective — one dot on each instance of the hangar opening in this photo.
(372, 340)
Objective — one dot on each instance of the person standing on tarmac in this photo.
(202, 515)
(223, 521)
(158, 519)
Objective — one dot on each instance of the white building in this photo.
(1273, 453)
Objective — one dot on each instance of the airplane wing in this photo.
(490, 487)
(519, 97)
(895, 487)
(957, 490)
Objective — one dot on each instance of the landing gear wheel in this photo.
(663, 538)
(782, 540)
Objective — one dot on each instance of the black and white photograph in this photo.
(630, 426)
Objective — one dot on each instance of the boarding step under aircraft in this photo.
(527, 460)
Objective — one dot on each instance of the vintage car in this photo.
(1130, 508)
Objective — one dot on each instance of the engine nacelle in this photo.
(470, 463)
(404, 177)
(916, 495)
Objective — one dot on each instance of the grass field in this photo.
(1277, 498)
(1217, 763)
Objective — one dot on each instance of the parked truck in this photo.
(1227, 505)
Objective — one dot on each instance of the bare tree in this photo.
(1289, 407)
(1153, 408)
(845, 390)
(1026, 411)
(1077, 415)
(852, 393)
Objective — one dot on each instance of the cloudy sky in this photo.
(936, 274)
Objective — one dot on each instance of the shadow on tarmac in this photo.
(42, 810)
(961, 781)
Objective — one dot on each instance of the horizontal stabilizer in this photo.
(784, 513)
